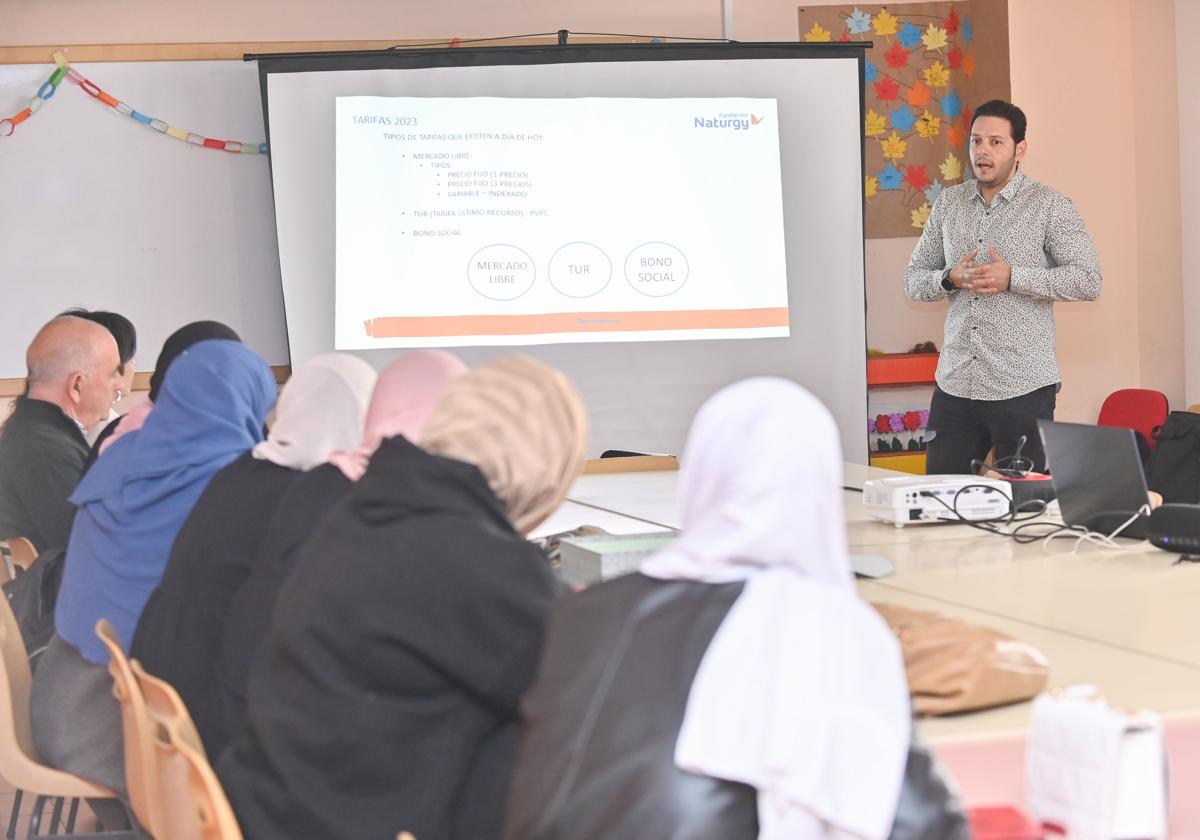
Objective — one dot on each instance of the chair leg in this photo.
(16, 814)
(56, 814)
(71, 815)
(35, 819)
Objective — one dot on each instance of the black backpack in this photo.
(32, 596)
(1174, 469)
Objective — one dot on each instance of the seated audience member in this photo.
(72, 380)
(384, 698)
(176, 343)
(131, 504)
(405, 394)
(737, 687)
(125, 335)
(320, 409)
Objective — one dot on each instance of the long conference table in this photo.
(1127, 621)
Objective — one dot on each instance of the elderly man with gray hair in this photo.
(72, 381)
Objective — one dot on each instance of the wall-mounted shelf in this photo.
(901, 369)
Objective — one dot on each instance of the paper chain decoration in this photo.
(64, 70)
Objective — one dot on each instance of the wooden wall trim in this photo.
(234, 51)
(141, 381)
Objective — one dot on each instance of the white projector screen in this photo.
(474, 190)
(655, 220)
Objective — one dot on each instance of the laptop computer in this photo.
(1097, 475)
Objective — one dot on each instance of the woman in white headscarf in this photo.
(737, 687)
(320, 409)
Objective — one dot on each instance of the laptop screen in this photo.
(1097, 473)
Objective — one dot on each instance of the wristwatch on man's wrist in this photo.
(947, 283)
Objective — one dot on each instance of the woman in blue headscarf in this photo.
(131, 504)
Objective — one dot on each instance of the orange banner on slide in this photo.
(429, 326)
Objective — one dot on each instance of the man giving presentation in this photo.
(1002, 248)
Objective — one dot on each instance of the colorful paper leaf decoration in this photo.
(920, 216)
(817, 34)
(910, 35)
(886, 89)
(936, 75)
(876, 123)
(929, 126)
(903, 119)
(950, 104)
(885, 23)
(872, 186)
(893, 147)
(951, 22)
(870, 73)
(916, 176)
(955, 136)
(934, 38)
(954, 58)
(951, 168)
(969, 64)
(858, 22)
(933, 191)
(889, 178)
(897, 56)
(968, 30)
(918, 94)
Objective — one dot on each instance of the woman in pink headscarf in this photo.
(405, 395)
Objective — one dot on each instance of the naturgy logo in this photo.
(737, 122)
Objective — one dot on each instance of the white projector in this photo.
(909, 499)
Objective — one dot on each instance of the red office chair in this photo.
(1135, 408)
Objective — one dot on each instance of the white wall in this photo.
(1187, 22)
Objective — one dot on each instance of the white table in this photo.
(1123, 620)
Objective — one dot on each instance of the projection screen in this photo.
(655, 220)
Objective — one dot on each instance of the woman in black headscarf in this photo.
(179, 633)
(176, 343)
(384, 698)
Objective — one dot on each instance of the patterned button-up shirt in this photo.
(1002, 345)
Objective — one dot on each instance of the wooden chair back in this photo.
(145, 791)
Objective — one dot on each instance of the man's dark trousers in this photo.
(966, 430)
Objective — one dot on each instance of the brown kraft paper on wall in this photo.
(929, 65)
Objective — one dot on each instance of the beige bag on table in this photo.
(957, 667)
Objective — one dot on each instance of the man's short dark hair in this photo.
(1004, 110)
(121, 328)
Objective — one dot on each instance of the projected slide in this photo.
(470, 221)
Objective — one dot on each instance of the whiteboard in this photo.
(100, 211)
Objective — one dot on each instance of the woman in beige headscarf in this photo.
(385, 696)
(523, 425)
